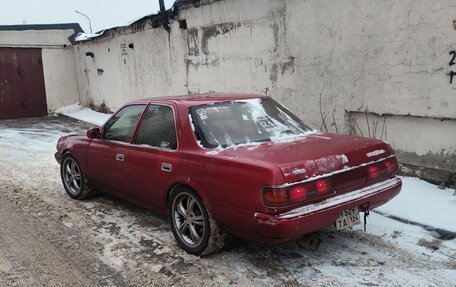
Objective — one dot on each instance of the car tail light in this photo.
(382, 169)
(322, 186)
(276, 197)
(392, 165)
(373, 169)
(285, 196)
(298, 194)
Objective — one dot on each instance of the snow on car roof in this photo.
(203, 98)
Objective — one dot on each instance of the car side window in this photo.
(157, 128)
(122, 126)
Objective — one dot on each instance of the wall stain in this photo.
(288, 65)
(193, 42)
(275, 33)
(273, 75)
(212, 31)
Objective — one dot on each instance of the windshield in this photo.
(245, 121)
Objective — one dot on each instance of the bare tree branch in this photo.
(383, 128)
(334, 120)
(374, 129)
(322, 117)
(360, 131)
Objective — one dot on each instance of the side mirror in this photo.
(94, 133)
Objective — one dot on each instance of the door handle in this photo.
(166, 167)
(120, 157)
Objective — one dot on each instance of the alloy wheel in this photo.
(72, 176)
(188, 219)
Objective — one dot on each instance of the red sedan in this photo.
(237, 164)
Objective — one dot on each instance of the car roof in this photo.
(190, 100)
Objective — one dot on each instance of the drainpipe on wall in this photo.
(164, 14)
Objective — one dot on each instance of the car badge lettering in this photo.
(375, 152)
(298, 171)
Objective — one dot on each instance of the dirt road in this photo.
(47, 239)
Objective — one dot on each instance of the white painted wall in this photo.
(234, 46)
(383, 57)
(117, 74)
(59, 77)
(35, 38)
(418, 141)
(58, 62)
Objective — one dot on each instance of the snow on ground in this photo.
(84, 114)
(424, 203)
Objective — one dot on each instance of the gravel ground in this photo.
(48, 239)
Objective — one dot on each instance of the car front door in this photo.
(107, 156)
(154, 158)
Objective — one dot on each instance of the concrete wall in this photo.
(383, 58)
(331, 62)
(112, 72)
(59, 77)
(418, 141)
(35, 38)
(58, 61)
(235, 46)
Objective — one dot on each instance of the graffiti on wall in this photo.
(123, 49)
(451, 63)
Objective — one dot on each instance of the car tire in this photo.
(74, 181)
(194, 229)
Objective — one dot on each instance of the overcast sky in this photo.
(102, 13)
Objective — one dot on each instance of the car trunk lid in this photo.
(315, 155)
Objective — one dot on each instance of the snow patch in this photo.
(318, 135)
(215, 151)
(84, 114)
(299, 171)
(249, 146)
(273, 126)
(323, 164)
(76, 107)
(253, 145)
(87, 36)
(422, 202)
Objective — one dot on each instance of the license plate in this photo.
(348, 218)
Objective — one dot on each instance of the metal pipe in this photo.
(90, 23)
(309, 242)
(164, 14)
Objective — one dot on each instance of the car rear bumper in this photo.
(293, 224)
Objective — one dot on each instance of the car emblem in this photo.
(375, 152)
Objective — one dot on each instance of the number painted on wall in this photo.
(452, 59)
(451, 63)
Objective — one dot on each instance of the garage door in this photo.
(22, 92)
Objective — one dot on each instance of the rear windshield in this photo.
(245, 121)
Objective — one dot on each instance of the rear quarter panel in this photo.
(231, 189)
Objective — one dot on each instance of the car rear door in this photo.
(108, 155)
(154, 158)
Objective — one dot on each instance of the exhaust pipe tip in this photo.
(309, 242)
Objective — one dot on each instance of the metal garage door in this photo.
(22, 92)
